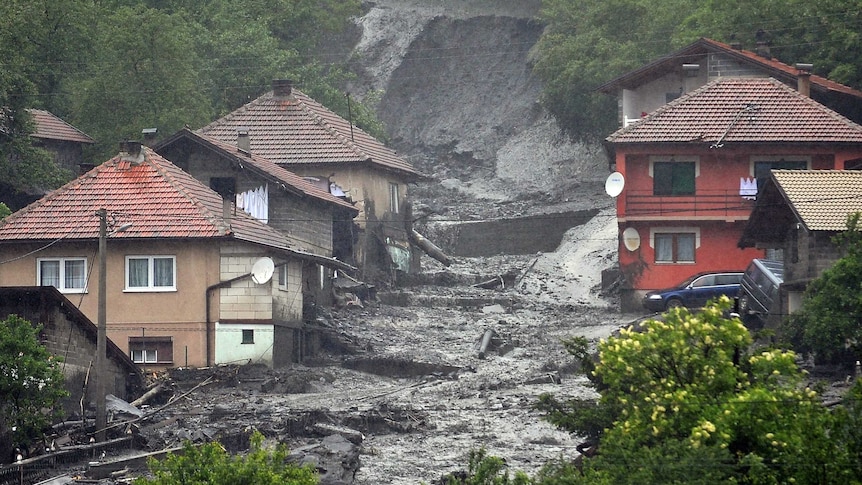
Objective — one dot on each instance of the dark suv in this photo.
(695, 291)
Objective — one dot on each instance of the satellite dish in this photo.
(631, 239)
(614, 184)
(262, 270)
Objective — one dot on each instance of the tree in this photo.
(210, 464)
(30, 382)
(829, 323)
(690, 402)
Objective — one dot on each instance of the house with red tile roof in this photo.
(299, 134)
(799, 212)
(60, 138)
(312, 219)
(191, 281)
(647, 88)
(693, 167)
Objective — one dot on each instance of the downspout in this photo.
(221, 284)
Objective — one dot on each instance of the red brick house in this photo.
(299, 134)
(693, 166)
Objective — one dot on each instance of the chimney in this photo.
(281, 88)
(762, 44)
(243, 142)
(149, 136)
(736, 45)
(226, 207)
(130, 151)
(803, 79)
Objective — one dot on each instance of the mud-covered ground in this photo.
(409, 385)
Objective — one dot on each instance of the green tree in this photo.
(210, 464)
(689, 403)
(30, 382)
(829, 323)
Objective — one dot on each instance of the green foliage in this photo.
(688, 403)
(210, 464)
(30, 381)
(485, 469)
(4, 211)
(829, 323)
(588, 43)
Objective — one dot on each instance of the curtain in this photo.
(163, 272)
(138, 272)
(74, 276)
(50, 273)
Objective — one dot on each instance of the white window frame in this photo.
(144, 356)
(675, 230)
(151, 287)
(62, 277)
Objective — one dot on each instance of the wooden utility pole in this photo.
(101, 339)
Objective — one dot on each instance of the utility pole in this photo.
(101, 339)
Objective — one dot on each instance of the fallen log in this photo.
(486, 340)
(429, 248)
(147, 396)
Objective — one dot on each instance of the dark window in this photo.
(855, 164)
(761, 169)
(151, 350)
(248, 336)
(673, 178)
(708, 280)
(224, 186)
(674, 247)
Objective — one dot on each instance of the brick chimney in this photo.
(281, 88)
(130, 151)
(243, 142)
(803, 79)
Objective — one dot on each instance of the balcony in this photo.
(716, 204)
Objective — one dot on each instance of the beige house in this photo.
(299, 134)
(311, 219)
(191, 281)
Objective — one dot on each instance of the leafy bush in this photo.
(210, 464)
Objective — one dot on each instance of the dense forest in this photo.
(114, 67)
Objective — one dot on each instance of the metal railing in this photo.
(702, 204)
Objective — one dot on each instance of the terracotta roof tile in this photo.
(822, 199)
(52, 127)
(155, 196)
(296, 129)
(741, 110)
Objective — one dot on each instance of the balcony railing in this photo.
(716, 203)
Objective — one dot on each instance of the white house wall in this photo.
(230, 348)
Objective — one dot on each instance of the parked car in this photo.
(758, 290)
(695, 291)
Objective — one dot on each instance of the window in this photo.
(708, 280)
(150, 273)
(282, 277)
(673, 247)
(69, 275)
(247, 336)
(151, 350)
(393, 198)
(224, 186)
(673, 178)
(762, 169)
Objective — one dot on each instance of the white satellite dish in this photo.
(614, 184)
(631, 239)
(262, 270)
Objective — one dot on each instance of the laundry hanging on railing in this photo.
(255, 202)
(748, 188)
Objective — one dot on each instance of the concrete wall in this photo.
(68, 335)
